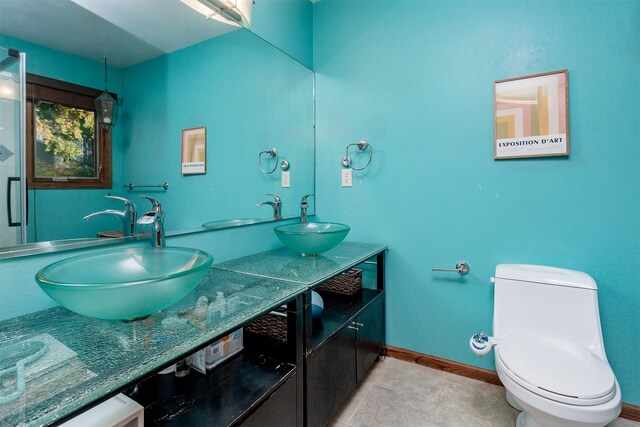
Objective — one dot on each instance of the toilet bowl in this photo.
(549, 352)
(556, 383)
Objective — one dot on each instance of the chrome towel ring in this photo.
(362, 146)
(269, 154)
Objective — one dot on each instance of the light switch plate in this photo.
(347, 178)
(286, 179)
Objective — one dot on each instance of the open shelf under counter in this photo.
(225, 396)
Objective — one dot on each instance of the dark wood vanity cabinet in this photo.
(335, 368)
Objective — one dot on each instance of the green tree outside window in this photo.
(65, 143)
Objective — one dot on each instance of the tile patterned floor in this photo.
(402, 394)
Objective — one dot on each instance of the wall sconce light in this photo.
(232, 12)
(362, 146)
(106, 106)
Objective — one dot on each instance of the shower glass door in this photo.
(12, 146)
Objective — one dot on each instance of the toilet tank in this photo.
(547, 300)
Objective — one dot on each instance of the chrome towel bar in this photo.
(131, 186)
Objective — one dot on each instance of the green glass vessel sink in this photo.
(124, 283)
(312, 238)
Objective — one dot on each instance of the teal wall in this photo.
(56, 212)
(415, 78)
(287, 24)
(64, 66)
(250, 97)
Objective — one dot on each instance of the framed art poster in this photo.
(531, 116)
(194, 151)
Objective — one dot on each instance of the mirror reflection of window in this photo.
(65, 147)
(65, 142)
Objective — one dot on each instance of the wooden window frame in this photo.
(71, 95)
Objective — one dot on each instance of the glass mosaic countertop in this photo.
(283, 264)
(54, 361)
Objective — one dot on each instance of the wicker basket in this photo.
(347, 283)
(270, 326)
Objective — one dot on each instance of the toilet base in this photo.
(511, 401)
(524, 420)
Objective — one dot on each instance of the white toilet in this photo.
(548, 347)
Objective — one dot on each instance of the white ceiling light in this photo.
(232, 12)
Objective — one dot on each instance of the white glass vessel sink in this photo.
(312, 238)
(124, 283)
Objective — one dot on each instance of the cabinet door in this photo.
(278, 410)
(331, 377)
(370, 337)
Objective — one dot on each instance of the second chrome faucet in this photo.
(276, 205)
(128, 216)
(155, 217)
(304, 205)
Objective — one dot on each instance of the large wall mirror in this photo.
(177, 76)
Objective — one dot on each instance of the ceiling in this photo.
(127, 31)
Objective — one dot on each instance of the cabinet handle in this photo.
(353, 327)
(357, 324)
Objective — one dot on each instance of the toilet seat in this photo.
(556, 369)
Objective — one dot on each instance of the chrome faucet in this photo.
(303, 208)
(155, 217)
(276, 205)
(128, 216)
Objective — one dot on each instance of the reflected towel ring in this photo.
(362, 145)
(271, 153)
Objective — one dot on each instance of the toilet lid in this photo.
(557, 366)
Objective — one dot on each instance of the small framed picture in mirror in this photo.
(194, 151)
(531, 116)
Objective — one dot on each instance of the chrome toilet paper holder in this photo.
(462, 268)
